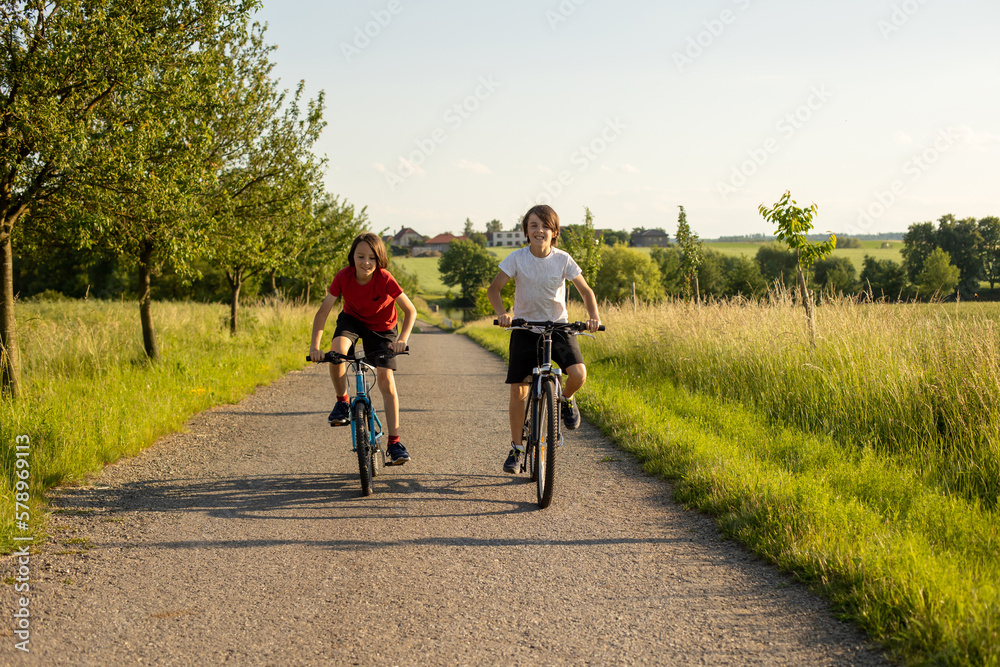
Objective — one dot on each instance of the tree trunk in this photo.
(10, 361)
(145, 302)
(697, 290)
(235, 279)
(807, 302)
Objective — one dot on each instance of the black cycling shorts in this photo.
(526, 349)
(353, 328)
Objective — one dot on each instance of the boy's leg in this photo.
(576, 376)
(518, 395)
(338, 372)
(387, 385)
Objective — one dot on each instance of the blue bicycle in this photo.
(366, 427)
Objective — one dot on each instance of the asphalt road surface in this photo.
(245, 540)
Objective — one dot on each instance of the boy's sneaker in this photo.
(397, 454)
(341, 414)
(513, 460)
(570, 413)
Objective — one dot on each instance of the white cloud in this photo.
(629, 169)
(475, 167)
(977, 139)
(903, 138)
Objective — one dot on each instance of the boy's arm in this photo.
(319, 322)
(493, 292)
(589, 301)
(409, 318)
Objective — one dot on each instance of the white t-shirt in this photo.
(540, 283)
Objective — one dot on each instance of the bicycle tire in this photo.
(546, 432)
(363, 443)
(526, 441)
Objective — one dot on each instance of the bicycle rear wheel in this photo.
(545, 442)
(362, 440)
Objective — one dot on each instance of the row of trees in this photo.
(156, 135)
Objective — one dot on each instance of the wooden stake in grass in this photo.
(793, 224)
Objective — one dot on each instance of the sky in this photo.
(881, 112)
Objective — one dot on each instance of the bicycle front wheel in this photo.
(545, 453)
(527, 441)
(363, 442)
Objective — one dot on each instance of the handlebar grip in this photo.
(600, 328)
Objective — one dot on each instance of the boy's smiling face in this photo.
(365, 262)
(540, 237)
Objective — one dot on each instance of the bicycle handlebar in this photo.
(575, 326)
(336, 356)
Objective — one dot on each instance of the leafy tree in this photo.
(478, 238)
(989, 249)
(584, 246)
(69, 72)
(777, 263)
(691, 254)
(835, 275)
(469, 228)
(483, 306)
(469, 265)
(849, 242)
(919, 242)
(961, 240)
(794, 223)
(883, 278)
(620, 269)
(710, 276)
(494, 226)
(743, 277)
(670, 263)
(267, 175)
(616, 237)
(939, 276)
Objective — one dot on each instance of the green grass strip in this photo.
(91, 398)
(914, 567)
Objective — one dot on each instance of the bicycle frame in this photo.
(360, 369)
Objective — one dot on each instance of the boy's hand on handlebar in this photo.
(399, 346)
(316, 355)
(504, 320)
(593, 325)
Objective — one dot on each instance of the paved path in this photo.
(244, 540)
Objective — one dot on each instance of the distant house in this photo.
(511, 239)
(441, 241)
(406, 237)
(651, 238)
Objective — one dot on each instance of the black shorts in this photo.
(352, 328)
(525, 350)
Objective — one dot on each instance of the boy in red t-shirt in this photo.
(370, 295)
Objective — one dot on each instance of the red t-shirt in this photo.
(375, 303)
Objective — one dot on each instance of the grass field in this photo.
(868, 466)
(90, 397)
(856, 255)
(428, 277)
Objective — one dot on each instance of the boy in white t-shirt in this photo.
(540, 271)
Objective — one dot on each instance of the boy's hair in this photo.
(548, 217)
(375, 242)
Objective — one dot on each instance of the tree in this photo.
(883, 278)
(743, 277)
(621, 269)
(336, 225)
(616, 237)
(777, 263)
(469, 265)
(67, 69)
(835, 275)
(961, 240)
(794, 223)
(919, 242)
(469, 228)
(691, 255)
(494, 226)
(584, 245)
(670, 264)
(989, 249)
(939, 276)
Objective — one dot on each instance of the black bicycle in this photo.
(542, 432)
(366, 427)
